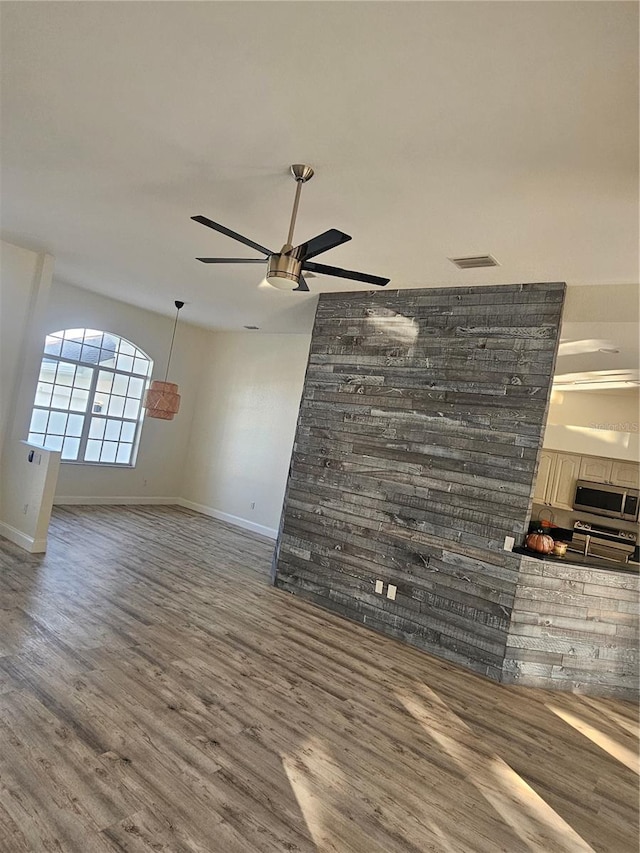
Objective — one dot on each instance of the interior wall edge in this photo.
(235, 520)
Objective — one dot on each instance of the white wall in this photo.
(25, 278)
(161, 455)
(244, 426)
(595, 423)
(27, 490)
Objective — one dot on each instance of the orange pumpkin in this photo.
(540, 542)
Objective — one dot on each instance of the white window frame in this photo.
(89, 414)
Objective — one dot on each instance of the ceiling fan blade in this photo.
(321, 243)
(229, 233)
(302, 285)
(231, 260)
(340, 273)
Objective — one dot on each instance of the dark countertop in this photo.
(573, 559)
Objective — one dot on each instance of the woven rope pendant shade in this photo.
(162, 400)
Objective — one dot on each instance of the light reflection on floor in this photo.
(540, 827)
(604, 711)
(620, 752)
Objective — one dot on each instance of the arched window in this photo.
(88, 400)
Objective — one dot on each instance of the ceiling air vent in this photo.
(474, 262)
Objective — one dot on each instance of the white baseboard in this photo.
(79, 500)
(236, 520)
(28, 543)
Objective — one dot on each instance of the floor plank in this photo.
(157, 694)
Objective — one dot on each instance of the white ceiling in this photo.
(436, 130)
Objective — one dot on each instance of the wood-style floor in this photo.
(156, 694)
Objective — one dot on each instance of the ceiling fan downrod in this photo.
(285, 267)
(302, 174)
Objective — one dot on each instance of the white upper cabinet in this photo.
(556, 481)
(563, 488)
(596, 469)
(544, 480)
(625, 474)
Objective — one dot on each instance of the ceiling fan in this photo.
(285, 268)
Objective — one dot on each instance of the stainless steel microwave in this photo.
(612, 501)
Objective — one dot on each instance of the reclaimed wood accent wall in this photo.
(574, 628)
(416, 449)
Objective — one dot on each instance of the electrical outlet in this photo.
(509, 542)
(379, 587)
(391, 592)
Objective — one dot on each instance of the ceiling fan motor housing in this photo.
(283, 271)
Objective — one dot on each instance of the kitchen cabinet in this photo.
(545, 476)
(625, 474)
(596, 469)
(563, 486)
(557, 475)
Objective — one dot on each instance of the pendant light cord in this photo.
(173, 337)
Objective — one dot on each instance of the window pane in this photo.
(79, 401)
(74, 334)
(136, 387)
(116, 406)
(92, 453)
(57, 423)
(71, 350)
(107, 359)
(112, 431)
(75, 424)
(124, 362)
(128, 431)
(66, 374)
(39, 420)
(52, 345)
(124, 453)
(84, 375)
(90, 354)
(70, 448)
(131, 408)
(34, 438)
(120, 384)
(43, 394)
(54, 442)
(61, 397)
(109, 449)
(93, 337)
(48, 370)
(126, 348)
(96, 429)
(105, 381)
(140, 365)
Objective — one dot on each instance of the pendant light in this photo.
(161, 400)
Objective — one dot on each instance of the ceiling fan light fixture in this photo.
(283, 271)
